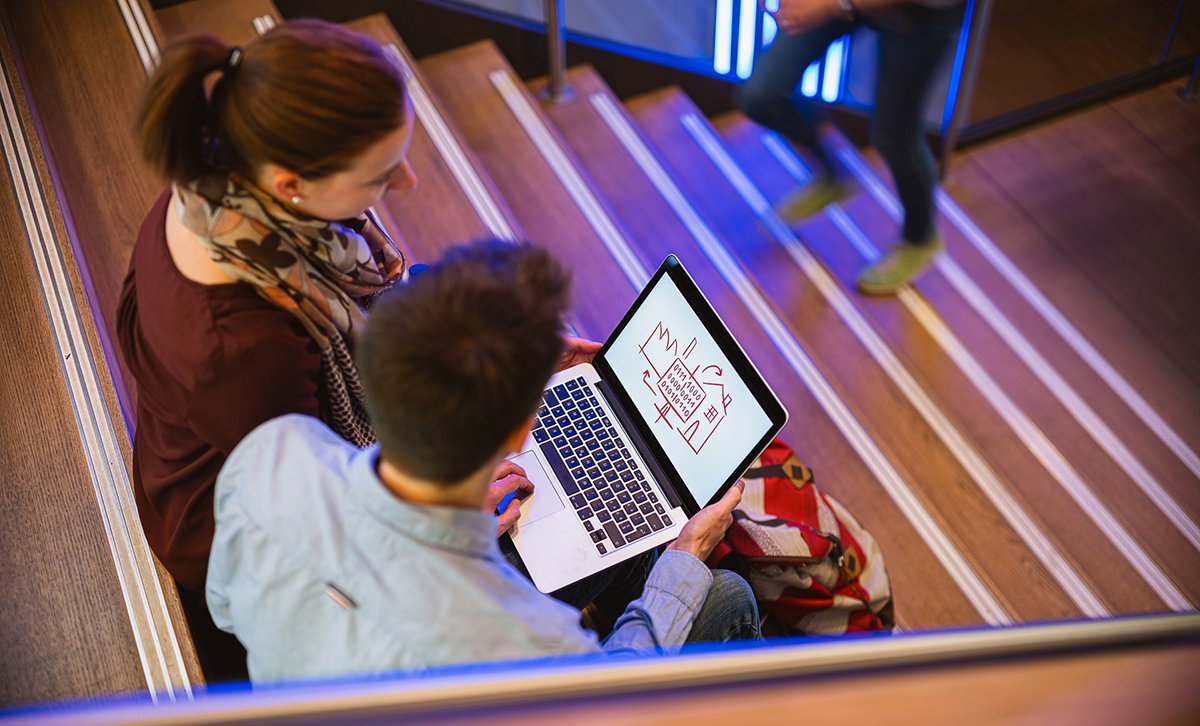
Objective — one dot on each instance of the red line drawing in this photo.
(694, 398)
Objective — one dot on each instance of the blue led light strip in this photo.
(747, 25)
(723, 37)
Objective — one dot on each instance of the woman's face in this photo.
(348, 193)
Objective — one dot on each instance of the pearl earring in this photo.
(296, 199)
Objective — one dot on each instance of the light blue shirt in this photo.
(321, 571)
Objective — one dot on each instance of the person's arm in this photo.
(678, 584)
(801, 16)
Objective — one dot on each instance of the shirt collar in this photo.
(464, 531)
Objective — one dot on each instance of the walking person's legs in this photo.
(769, 98)
(908, 61)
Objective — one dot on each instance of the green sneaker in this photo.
(805, 201)
(899, 266)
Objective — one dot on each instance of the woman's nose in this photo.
(404, 178)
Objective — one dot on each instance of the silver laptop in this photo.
(625, 449)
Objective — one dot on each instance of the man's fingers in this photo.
(511, 483)
(507, 468)
(509, 516)
(732, 498)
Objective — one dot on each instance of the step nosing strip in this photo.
(452, 153)
(1025, 429)
(569, 177)
(1040, 303)
(1023, 348)
(81, 377)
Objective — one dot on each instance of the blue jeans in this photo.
(908, 58)
(729, 612)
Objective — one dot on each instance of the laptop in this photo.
(626, 449)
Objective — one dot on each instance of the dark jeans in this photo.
(222, 657)
(729, 613)
(908, 58)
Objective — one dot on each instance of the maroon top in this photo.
(211, 363)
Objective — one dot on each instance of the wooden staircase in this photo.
(939, 417)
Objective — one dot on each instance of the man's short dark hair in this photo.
(456, 359)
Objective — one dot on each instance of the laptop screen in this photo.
(696, 394)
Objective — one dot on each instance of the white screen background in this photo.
(698, 408)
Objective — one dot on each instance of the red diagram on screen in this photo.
(689, 397)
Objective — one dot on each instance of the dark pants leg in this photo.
(728, 613)
(769, 96)
(222, 657)
(907, 61)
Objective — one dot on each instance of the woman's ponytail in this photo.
(173, 124)
(308, 95)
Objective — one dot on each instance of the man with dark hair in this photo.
(330, 560)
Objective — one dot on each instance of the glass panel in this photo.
(684, 29)
(1036, 51)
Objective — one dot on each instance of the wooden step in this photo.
(468, 82)
(1125, 342)
(86, 611)
(1133, 344)
(927, 596)
(819, 318)
(84, 74)
(1088, 525)
(234, 22)
(455, 200)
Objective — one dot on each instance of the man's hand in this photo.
(705, 530)
(576, 351)
(507, 478)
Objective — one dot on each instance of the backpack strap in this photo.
(796, 472)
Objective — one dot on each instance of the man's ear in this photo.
(517, 437)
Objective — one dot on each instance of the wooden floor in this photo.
(1111, 196)
(1036, 51)
(1018, 429)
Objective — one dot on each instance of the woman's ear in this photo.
(282, 183)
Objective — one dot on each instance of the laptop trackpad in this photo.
(545, 499)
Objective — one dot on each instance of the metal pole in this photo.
(1191, 92)
(557, 91)
(979, 12)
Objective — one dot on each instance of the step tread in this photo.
(231, 21)
(1056, 513)
(438, 212)
(901, 433)
(548, 213)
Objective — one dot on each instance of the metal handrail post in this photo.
(557, 91)
(979, 13)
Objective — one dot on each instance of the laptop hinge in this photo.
(635, 436)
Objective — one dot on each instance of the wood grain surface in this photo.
(436, 213)
(549, 216)
(1014, 574)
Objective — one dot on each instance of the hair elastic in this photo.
(234, 59)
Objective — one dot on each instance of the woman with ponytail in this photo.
(250, 274)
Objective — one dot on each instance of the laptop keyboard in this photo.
(606, 486)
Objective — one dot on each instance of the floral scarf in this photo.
(320, 272)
